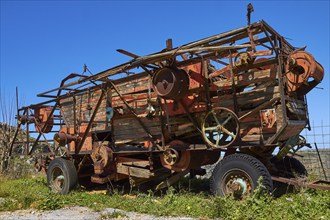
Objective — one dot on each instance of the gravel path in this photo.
(79, 213)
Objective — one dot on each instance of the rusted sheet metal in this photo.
(304, 72)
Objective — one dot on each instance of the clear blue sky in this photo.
(43, 41)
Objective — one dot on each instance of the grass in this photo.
(182, 200)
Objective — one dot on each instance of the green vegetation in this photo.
(181, 200)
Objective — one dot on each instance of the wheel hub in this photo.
(237, 183)
(238, 186)
(58, 179)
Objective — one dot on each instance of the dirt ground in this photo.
(79, 213)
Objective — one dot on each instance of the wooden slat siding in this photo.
(154, 122)
(248, 78)
(135, 86)
(82, 110)
(134, 171)
(248, 99)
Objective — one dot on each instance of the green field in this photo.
(180, 200)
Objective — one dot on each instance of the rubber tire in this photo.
(250, 165)
(69, 172)
(294, 168)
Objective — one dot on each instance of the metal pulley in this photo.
(171, 83)
(303, 72)
(179, 158)
(102, 156)
(242, 59)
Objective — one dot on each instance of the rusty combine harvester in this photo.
(159, 117)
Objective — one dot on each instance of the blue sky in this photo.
(44, 41)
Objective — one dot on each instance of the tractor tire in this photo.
(289, 167)
(62, 176)
(294, 167)
(237, 175)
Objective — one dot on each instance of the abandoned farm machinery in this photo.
(159, 117)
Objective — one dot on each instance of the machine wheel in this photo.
(220, 127)
(61, 176)
(294, 167)
(288, 167)
(237, 175)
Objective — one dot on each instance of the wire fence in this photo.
(317, 159)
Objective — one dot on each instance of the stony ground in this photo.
(79, 213)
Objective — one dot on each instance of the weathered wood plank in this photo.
(134, 171)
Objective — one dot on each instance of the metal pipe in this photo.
(318, 153)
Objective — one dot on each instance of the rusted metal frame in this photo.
(190, 116)
(318, 154)
(109, 104)
(230, 39)
(146, 70)
(261, 41)
(37, 124)
(132, 111)
(15, 134)
(155, 58)
(161, 56)
(271, 30)
(42, 141)
(220, 61)
(269, 39)
(43, 128)
(144, 60)
(178, 64)
(51, 113)
(75, 127)
(206, 84)
(127, 53)
(62, 86)
(89, 125)
(312, 185)
(252, 66)
(307, 114)
(251, 39)
(66, 95)
(162, 122)
(264, 45)
(31, 132)
(167, 117)
(215, 37)
(280, 71)
(233, 87)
